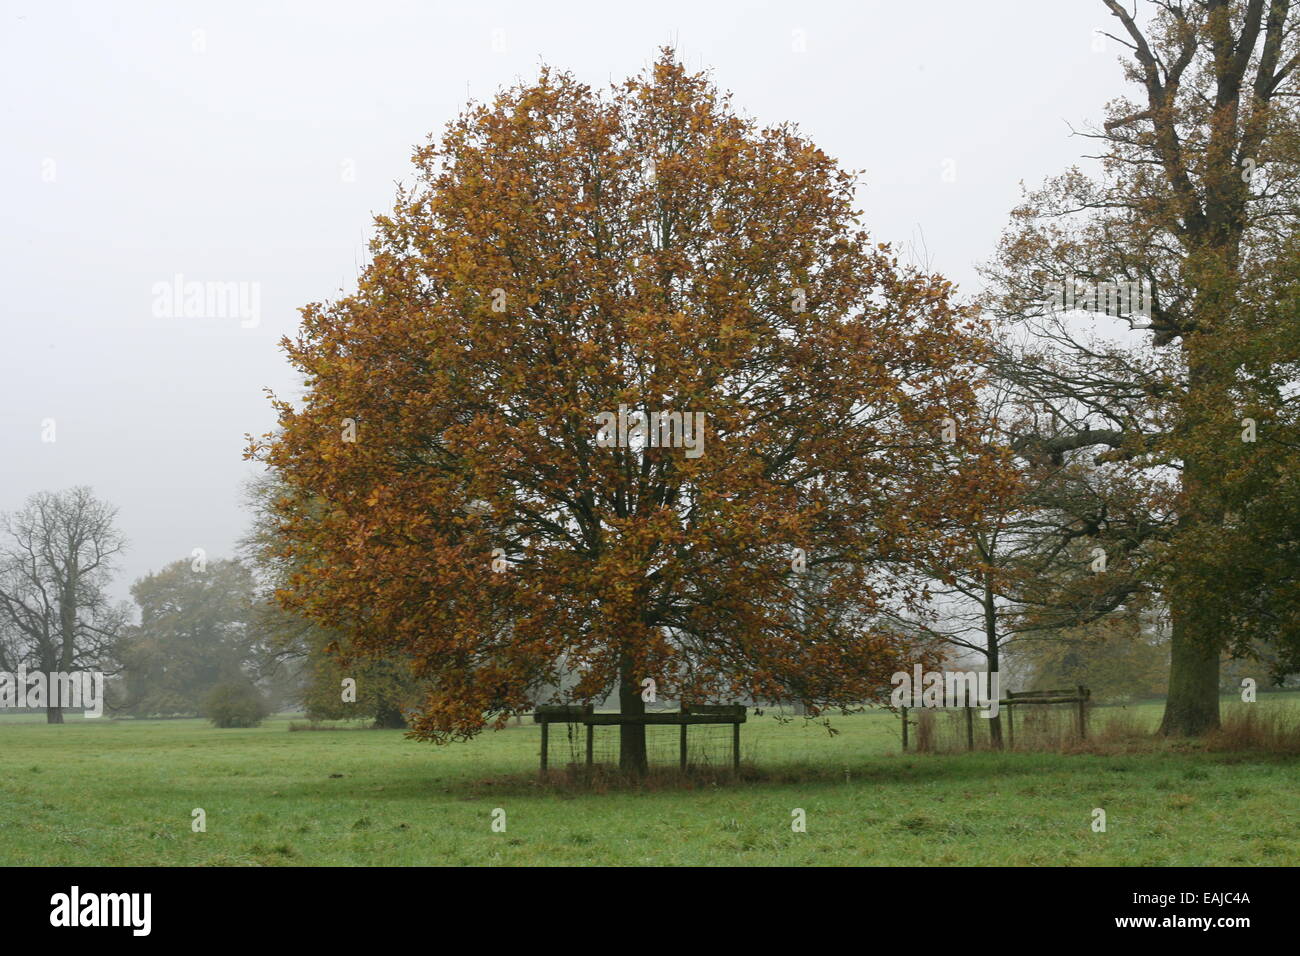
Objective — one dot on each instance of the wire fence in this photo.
(1033, 727)
(708, 746)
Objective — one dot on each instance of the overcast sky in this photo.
(250, 142)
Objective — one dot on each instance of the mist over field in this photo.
(252, 142)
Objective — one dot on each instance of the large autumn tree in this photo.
(566, 254)
(1193, 206)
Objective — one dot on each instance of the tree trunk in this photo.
(631, 737)
(1192, 707)
(54, 715)
(991, 653)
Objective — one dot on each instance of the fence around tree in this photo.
(695, 736)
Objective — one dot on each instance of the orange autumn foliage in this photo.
(564, 253)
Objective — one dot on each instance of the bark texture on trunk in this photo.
(631, 737)
(1192, 707)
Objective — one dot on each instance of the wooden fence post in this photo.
(903, 710)
(735, 747)
(545, 734)
(591, 740)
(970, 728)
(683, 748)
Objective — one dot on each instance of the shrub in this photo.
(235, 704)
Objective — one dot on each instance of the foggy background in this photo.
(250, 142)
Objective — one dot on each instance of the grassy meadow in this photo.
(105, 792)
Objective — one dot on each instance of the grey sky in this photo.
(143, 140)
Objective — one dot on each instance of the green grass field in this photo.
(122, 792)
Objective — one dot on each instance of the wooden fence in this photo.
(547, 714)
(1079, 695)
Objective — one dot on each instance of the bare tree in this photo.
(56, 556)
(1186, 223)
(1026, 573)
